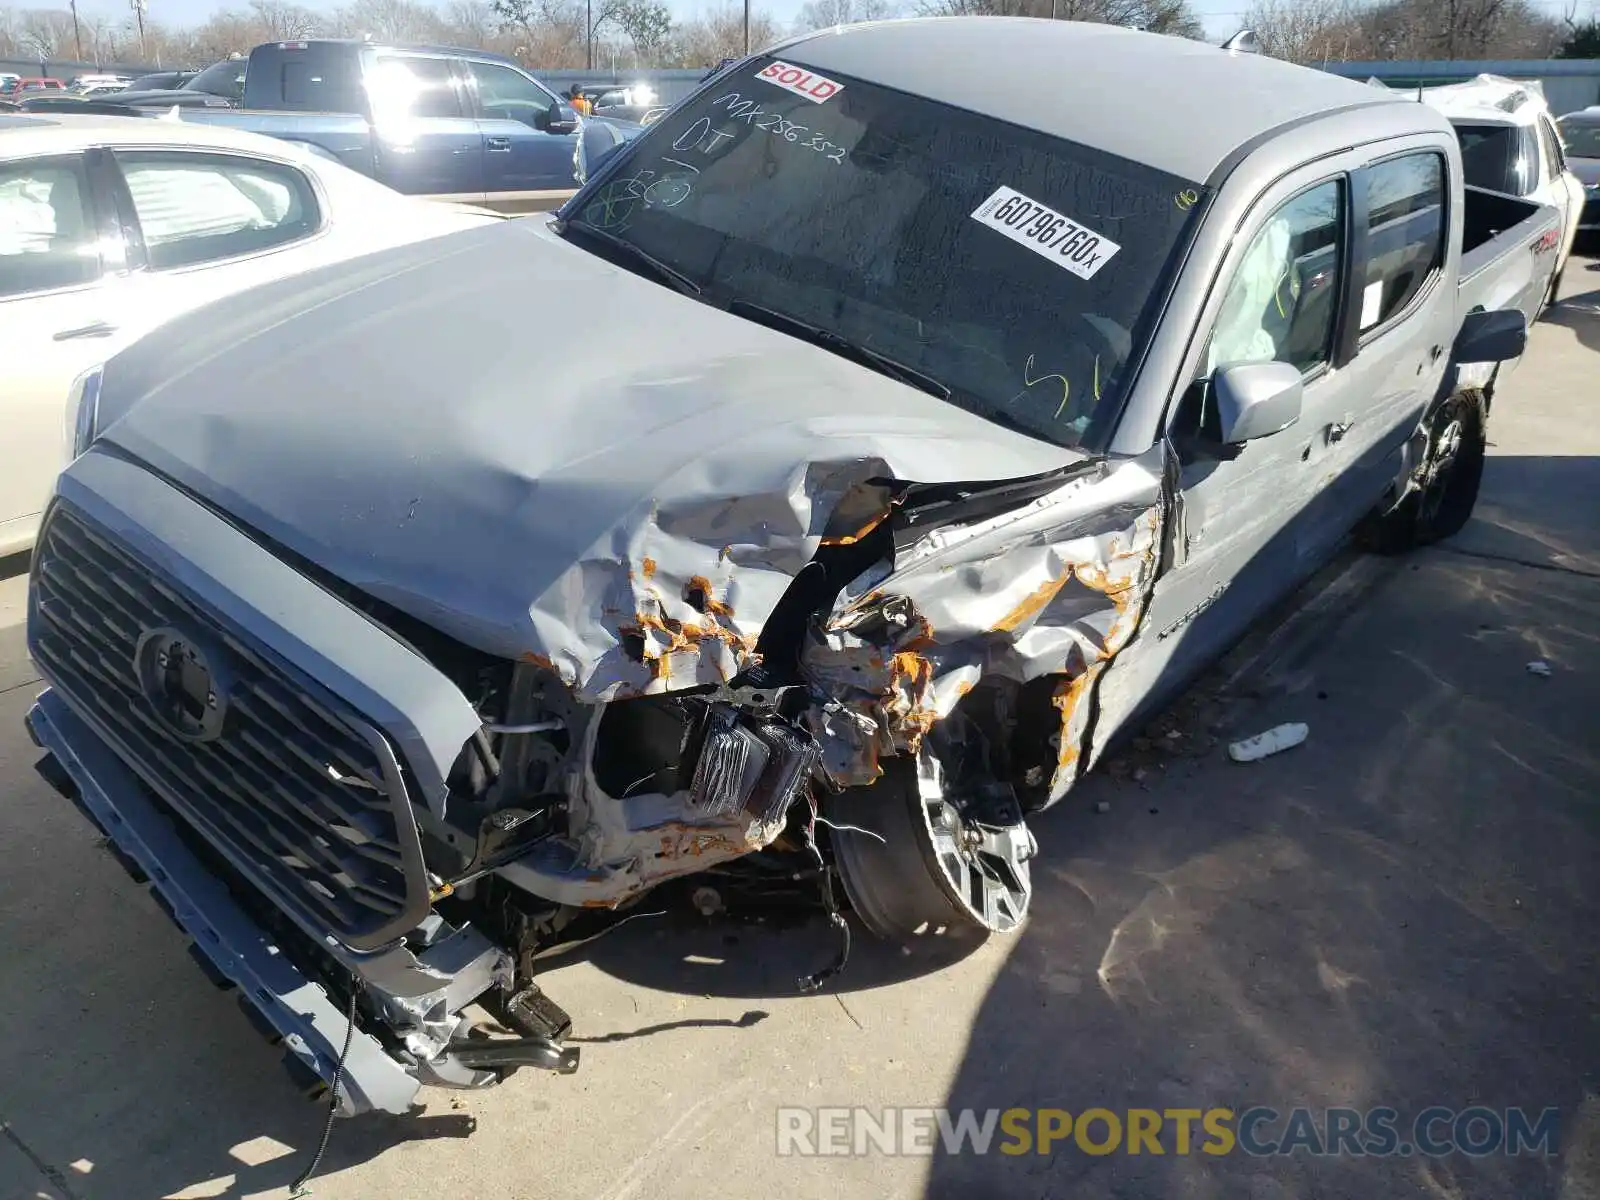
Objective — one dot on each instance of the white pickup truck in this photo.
(401, 630)
(1510, 143)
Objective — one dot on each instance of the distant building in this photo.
(1569, 83)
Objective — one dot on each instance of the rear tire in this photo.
(1444, 487)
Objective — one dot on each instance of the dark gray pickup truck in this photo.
(400, 631)
(462, 125)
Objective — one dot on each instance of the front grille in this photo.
(296, 789)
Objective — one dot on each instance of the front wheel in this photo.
(921, 861)
(1443, 490)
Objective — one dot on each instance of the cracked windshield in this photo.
(1011, 272)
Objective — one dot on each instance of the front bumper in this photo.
(205, 837)
(225, 938)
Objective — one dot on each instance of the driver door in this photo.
(1243, 512)
(522, 152)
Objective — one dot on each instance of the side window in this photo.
(1284, 298)
(1405, 233)
(1555, 159)
(196, 208)
(413, 87)
(47, 234)
(509, 95)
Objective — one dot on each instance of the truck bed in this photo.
(1508, 252)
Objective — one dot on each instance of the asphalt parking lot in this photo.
(1399, 913)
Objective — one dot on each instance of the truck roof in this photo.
(1104, 86)
(406, 47)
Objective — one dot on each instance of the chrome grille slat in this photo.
(263, 787)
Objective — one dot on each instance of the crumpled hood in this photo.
(540, 454)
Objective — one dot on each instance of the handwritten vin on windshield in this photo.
(751, 113)
(1046, 232)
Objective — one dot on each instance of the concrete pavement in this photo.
(1400, 912)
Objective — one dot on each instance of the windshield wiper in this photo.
(643, 258)
(840, 345)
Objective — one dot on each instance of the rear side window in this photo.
(1405, 233)
(47, 237)
(412, 87)
(317, 78)
(198, 208)
(1555, 161)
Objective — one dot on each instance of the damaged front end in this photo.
(379, 821)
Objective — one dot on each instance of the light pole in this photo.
(138, 15)
(747, 26)
(77, 35)
(588, 25)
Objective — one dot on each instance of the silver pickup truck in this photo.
(399, 628)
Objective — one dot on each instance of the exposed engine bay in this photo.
(923, 684)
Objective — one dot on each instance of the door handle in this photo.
(497, 145)
(98, 329)
(1338, 429)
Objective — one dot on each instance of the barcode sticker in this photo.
(1046, 232)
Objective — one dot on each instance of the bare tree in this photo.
(1173, 17)
(1305, 31)
(718, 33)
(285, 21)
(648, 26)
(821, 14)
(390, 21)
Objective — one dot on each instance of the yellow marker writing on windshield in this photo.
(1028, 383)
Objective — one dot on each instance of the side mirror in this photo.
(556, 119)
(1491, 337)
(1255, 400)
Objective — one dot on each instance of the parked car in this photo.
(429, 121)
(623, 102)
(8, 82)
(1509, 143)
(161, 81)
(221, 85)
(397, 616)
(39, 84)
(112, 226)
(93, 90)
(1580, 135)
(71, 102)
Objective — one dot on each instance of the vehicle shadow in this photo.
(13, 565)
(1398, 913)
(131, 1078)
(1579, 313)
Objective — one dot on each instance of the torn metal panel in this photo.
(1055, 588)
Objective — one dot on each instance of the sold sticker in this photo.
(1046, 232)
(800, 81)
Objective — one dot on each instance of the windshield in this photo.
(220, 79)
(1582, 138)
(1016, 270)
(1499, 158)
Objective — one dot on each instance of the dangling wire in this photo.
(812, 983)
(299, 1187)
